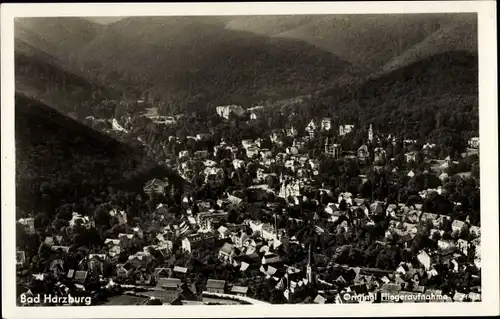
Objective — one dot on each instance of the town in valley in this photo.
(296, 200)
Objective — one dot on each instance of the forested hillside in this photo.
(45, 78)
(196, 63)
(59, 160)
(453, 36)
(61, 37)
(435, 98)
(192, 63)
(371, 40)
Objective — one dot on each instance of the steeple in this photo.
(276, 224)
(370, 133)
(309, 268)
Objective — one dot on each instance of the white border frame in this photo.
(488, 161)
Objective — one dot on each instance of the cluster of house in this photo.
(261, 251)
(326, 125)
(225, 110)
(166, 284)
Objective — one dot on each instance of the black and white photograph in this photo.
(234, 158)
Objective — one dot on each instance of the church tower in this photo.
(283, 189)
(309, 275)
(370, 134)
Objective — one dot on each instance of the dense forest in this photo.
(431, 101)
(194, 62)
(42, 77)
(446, 83)
(59, 160)
(435, 100)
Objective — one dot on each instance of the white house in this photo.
(237, 163)
(311, 128)
(252, 151)
(347, 197)
(121, 216)
(226, 253)
(458, 225)
(474, 142)
(424, 259)
(326, 124)
(223, 232)
(463, 246)
(78, 219)
(474, 230)
(411, 156)
(345, 129)
(183, 154)
(225, 111)
(445, 244)
(186, 245)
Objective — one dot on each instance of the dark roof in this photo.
(214, 283)
(373, 271)
(169, 283)
(188, 293)
(359, 289)
(193, 288)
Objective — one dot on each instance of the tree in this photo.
(102, 216)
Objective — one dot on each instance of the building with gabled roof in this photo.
(217, 286)
(424, 259)
(169, 283)
(326, 124)
(156, 186)
(239, 291)
(319, 300)
(311, 128)
(345, 129)
(28, 224)
(226, 253)
(458, 225)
